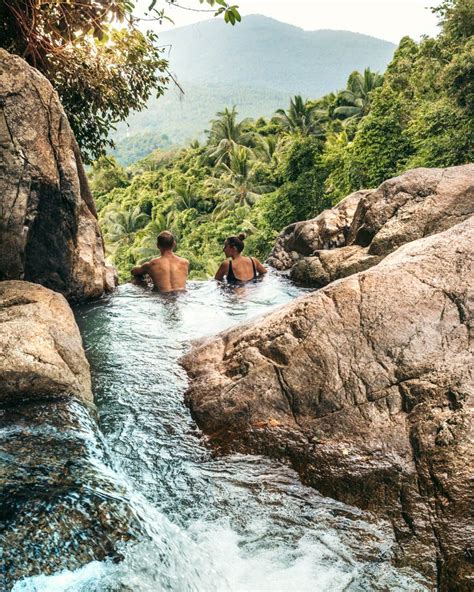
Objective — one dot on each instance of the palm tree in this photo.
(355, 100)
(146, 238)
(185, 197)
(121, 224)
(265, 148)
(225, 134)
(237, 186)
(301, 117)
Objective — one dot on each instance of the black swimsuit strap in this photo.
(254, 268)
(230, 274)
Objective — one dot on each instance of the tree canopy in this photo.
(95, 55)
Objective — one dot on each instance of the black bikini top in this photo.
(232, 279)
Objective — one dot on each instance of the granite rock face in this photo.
(61, 505)
(416, 204)
(366, 387)
(48, 227)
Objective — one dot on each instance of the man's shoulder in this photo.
(182, 260)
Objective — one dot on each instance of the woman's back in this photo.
(241, 270)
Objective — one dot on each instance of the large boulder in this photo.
(416, 204)
(48, 226)
(327, 231)
(41, 350)
(61, 506)
(366, 387)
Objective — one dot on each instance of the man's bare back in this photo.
(168, 272)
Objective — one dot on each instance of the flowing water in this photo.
(234, 523)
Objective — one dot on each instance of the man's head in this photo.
(165, 241)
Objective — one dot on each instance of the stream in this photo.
(233, 523)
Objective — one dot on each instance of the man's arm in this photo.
(222, 271)
(140, 270)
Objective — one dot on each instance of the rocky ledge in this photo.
(48, 227)
(60, 504)
(368, 225)
(366, 385)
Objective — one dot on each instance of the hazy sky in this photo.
(386, 19)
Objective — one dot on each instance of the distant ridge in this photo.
(265, 52)
(257, 65)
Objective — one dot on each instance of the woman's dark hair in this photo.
(237, 241)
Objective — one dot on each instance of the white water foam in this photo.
(213, 557)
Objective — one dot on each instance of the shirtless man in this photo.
(168, 272)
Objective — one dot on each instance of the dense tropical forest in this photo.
(260, 175)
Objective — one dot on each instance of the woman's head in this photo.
(234, 244)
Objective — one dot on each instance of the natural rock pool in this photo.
(233, 523)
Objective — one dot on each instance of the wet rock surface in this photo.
(61, 505)
(366, 387)
(48, 228)
(368, 225)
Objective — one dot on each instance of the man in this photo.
(168, 272)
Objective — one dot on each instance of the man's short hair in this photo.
(165, 240)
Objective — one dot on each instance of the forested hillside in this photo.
(259, 175)
(256, 66)
(181, 118)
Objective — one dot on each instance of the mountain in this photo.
(257, 66)
(263, 52)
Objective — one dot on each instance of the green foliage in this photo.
(422, 113)
(107, 174)
(355, 100)
(302, 117)
(382, 144)
(95, 56)
(135, 147)
(261, 175)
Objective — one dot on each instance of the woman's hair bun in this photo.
(242, 236)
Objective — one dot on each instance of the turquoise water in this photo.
(234, 523)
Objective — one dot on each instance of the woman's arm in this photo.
(260, 268)
(222, 271)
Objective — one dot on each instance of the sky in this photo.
(385, 19)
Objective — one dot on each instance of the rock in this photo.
(326, 231)
(61, 505)
(40, 345)
(48, 228)
(416, 204)
(326, 266)
(366, 387)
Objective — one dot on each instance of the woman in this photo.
(238, 269)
